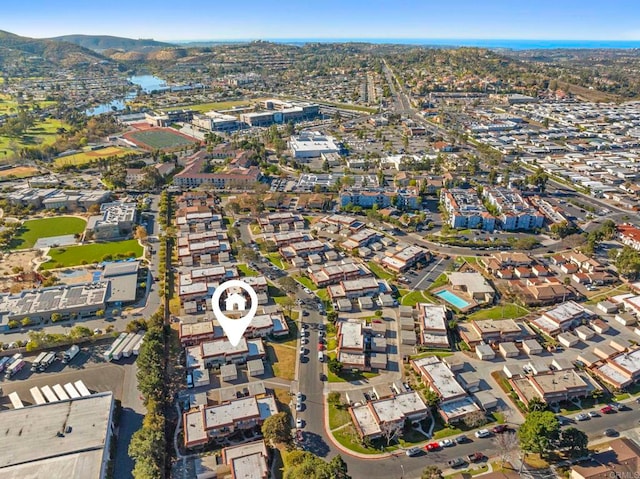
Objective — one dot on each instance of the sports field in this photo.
(89, 156)
(160, 139)
(31, 230)
(92, 253)
(18, 172)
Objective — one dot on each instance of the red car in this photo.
(607, 410)
(432, 446)
(320, 347)
(499, 428)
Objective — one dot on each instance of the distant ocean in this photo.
(447, 42)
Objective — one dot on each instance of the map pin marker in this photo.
(234, 328)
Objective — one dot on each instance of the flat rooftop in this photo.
(628, 361)
(31, 448)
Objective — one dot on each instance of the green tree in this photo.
(431, 398)
(25, 322)
(431, 472)
(276, 429)
(539, 430)
(335, 366)
(79, 332)
(289, 284)
(338, 468)
(574, 440)
(536, 404)
(55, 317)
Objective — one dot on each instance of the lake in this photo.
(148, 84)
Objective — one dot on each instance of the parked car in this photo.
(457, 462)
(500, 428)
(307, 290)
(475, 457)
(447, 443)
(302, 351)
(432, 446)
(483, 433)
(462, 439)
(610, 432)
(583, 416)
(299, 423)
(593, 414)
(607, 410)
(414, 451)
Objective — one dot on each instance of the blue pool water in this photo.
(451, 298)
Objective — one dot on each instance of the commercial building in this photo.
(116, 221)
(370, 419)
(167, 118)
(312, 144)
(516, 213)
(71, 200)
(433, 325)
(465, 209)
(62, 440)
(217, 422)
(215, 121)
(70, 302)
(278, 111)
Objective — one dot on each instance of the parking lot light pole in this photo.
(402, 468)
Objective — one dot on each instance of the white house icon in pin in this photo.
(235, 302)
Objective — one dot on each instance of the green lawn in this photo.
(246, 271)
(42, 133)
(348, 437)
(89, 156)
(306, 282)
(508, 311)
(440, 354)
(348, 376)
(379, 271)
(412, 298)
(438, 282)
(92, 253)
(276, 259)
(323, 294)
(31, 230)
(338, 417)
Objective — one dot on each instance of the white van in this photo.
(320, 356)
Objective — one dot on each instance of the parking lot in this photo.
(88, 366)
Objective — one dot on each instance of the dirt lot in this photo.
(8, 262)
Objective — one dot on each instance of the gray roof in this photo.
(30, 446)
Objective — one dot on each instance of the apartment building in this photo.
(629, 235)
(404, 258)
(371, 418)
(217, 422)
(334, 272)
(551, 386)
(433, 325)
(351, 345)
(465, 209)
(562, 318)
(516, 213)
(356, 288)
(619, 369)
(367, 197)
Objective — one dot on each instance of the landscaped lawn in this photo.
(246, 271)
(306, 282)
(276, 259)
(43, 133)
(323, 294)
(348, 376)
(438, 282)
(92, 253)
(348, 437)
(379, 271)
(45, 228)
(283, 359)
(89, 156)
(412, 298)
(426, 354)
(507, 311)
(338, 417)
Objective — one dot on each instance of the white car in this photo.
(302, 351)
(304, 341)
(299, 396)
(447, 443)
(299, 406)
(483, 433)
(307, 290)
(299, 423)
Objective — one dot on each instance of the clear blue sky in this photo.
(269, 19)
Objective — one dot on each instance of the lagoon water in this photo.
(148, 84)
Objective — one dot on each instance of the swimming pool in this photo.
(451, 298)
